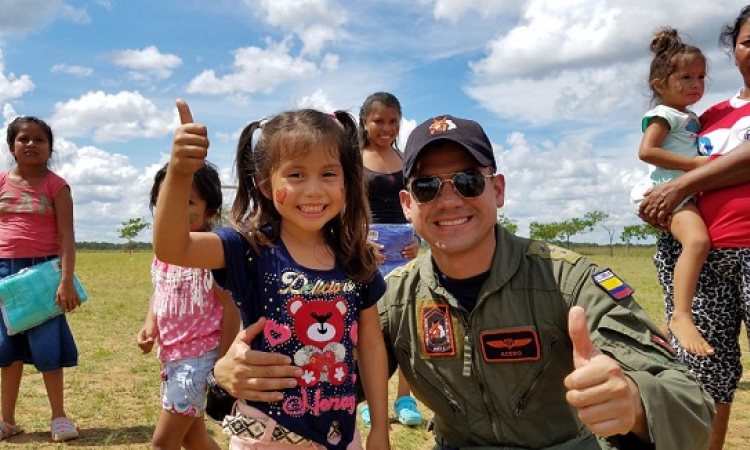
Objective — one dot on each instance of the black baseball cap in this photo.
(464, 132)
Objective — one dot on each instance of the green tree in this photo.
(564, 230)
(131, 229)
(639, 232)
(572, 227)
(507, 223)
(544, 231)
(604, 220)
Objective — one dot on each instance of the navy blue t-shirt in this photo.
(312, 316)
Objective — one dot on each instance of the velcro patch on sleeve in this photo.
(547, 251)
(516, 345)
(612, 284)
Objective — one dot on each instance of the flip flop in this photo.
(8, 430)
(63, 429)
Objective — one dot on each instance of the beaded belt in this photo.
(242, 426)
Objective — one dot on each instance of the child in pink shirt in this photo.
(36, 225)
(194, 322)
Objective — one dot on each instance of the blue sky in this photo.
(559, 85)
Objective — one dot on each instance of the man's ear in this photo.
(498, 183)
(406, 200)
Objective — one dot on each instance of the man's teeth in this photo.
(448, 223)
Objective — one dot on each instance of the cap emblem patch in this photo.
(442, 125)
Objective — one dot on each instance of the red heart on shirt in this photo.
(276, 334)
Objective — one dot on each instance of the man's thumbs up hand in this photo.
(608, 401)
(578, 330)
(190, 145)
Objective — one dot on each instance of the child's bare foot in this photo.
(687, 334)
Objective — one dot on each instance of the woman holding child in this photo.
(722, 297)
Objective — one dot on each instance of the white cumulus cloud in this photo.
(581, 59)
(73, 70)
(149, 61)
(111, 117)
(12, 86)
(315, 22)
(255, 70)
(452, 10)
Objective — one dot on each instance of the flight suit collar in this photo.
(509, 250)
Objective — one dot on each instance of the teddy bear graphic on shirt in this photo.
(319, 326)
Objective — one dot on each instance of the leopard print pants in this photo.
(720, 305)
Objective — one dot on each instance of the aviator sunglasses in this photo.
(467, 183)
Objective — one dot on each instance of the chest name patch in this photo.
(612, 284)
(517, 345)
(438, 338)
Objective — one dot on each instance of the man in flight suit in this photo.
(512, 343)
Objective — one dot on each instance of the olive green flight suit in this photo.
(494, 376)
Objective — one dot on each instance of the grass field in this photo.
(113, 394)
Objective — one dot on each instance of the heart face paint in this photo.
(281, 196)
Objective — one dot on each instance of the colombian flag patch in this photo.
(612, 284)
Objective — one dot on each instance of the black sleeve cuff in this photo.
(214, 388)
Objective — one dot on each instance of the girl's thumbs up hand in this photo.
(190, 145)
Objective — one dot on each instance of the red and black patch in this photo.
(437, 331)
(520, 344)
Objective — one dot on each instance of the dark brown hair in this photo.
(264, 145)
(669, 51)
(206, 182)
(730, 31)
(15, 126)
(386, 99)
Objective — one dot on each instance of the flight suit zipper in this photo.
(467, 372)
(521, 403)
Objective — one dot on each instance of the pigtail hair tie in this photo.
(257, 135)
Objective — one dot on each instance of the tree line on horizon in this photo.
(562, 231)
(554, 232)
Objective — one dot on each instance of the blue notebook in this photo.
(27, 298)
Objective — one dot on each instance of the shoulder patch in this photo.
(438, 331)
(612, 284)
(547, 251)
